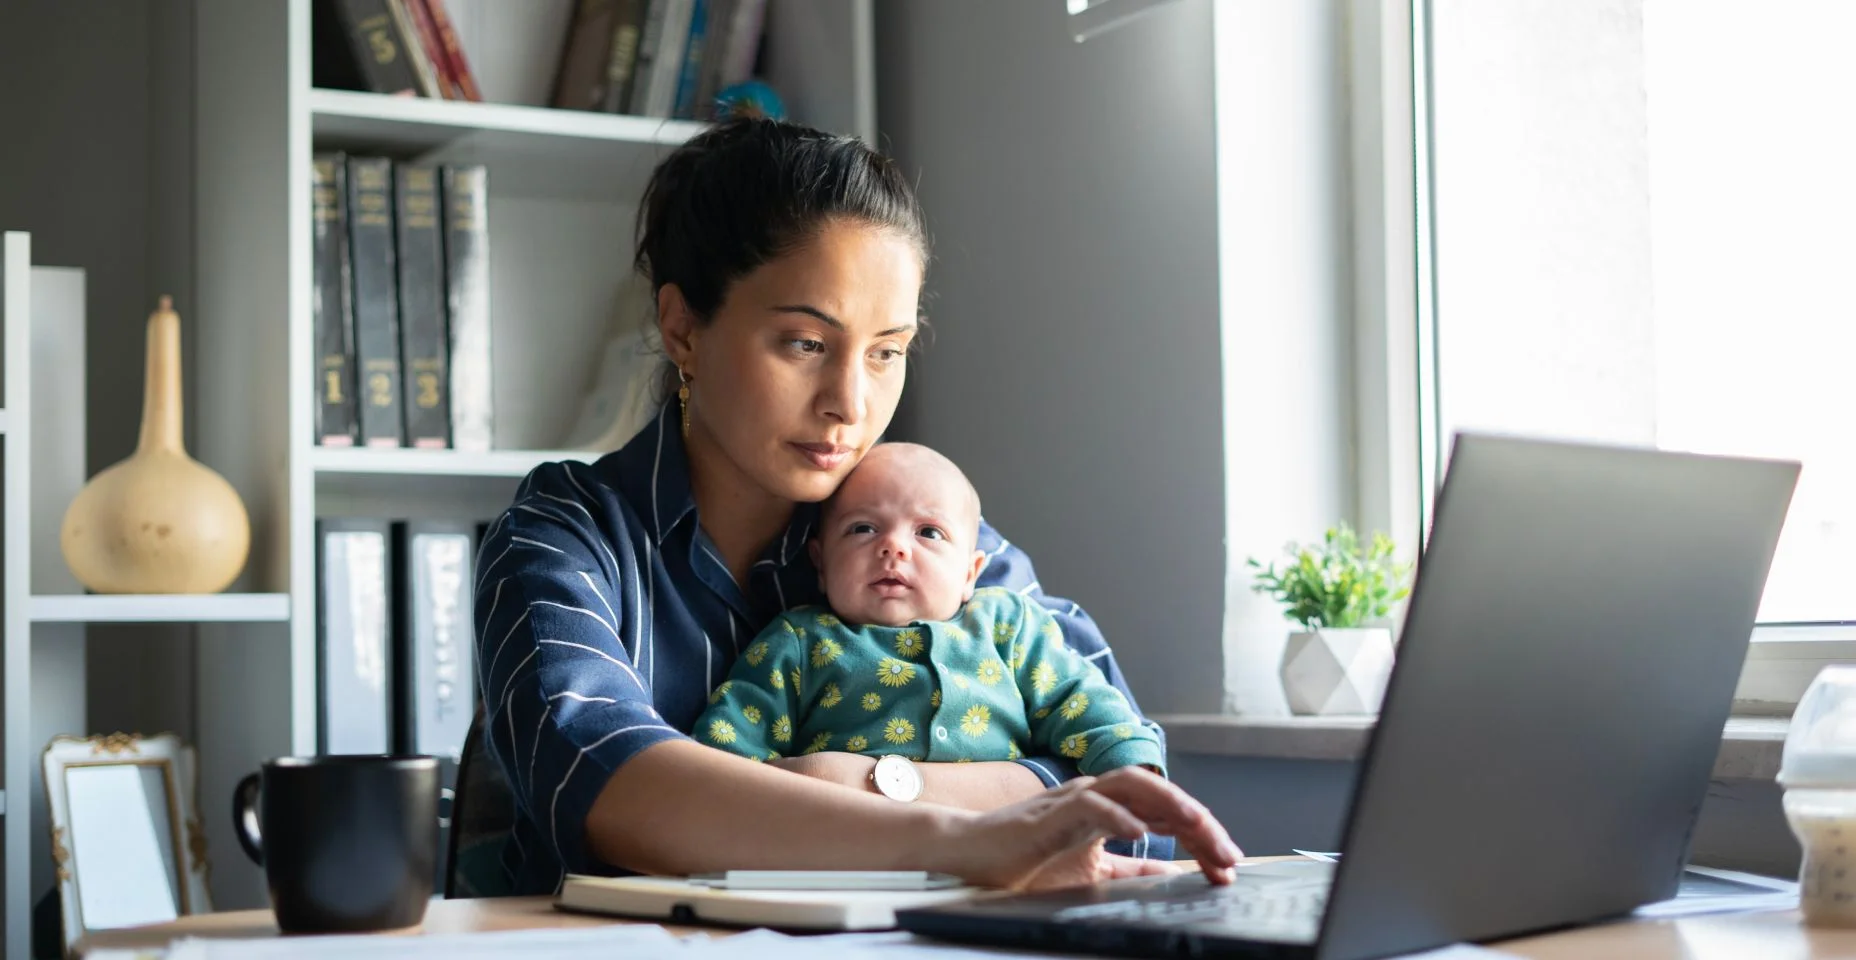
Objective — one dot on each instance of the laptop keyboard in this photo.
(1285, 907)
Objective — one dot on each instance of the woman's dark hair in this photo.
(751, 189)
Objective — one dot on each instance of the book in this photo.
(361, 45)
(424, 341)
(461, 74)
(622, 57)
(436, 689)
(682, 900)
(580, 81)
(331, 309)
(430, 48)
(735, 62)
(660, 88)
(650, 39)
(690, 76)
(353, 622)
(467, 304)
(376, 299)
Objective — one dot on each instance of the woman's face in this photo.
(799, 371)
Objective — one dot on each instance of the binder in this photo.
(353, 643)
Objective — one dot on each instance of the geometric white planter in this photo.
(1335, 672)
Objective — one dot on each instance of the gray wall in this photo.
(97, 167)
(1074, 372)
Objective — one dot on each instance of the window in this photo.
(1641, 227)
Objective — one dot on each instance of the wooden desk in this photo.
(1756, 936)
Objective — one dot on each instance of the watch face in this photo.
(897, 778)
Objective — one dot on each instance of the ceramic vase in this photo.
(1333, 672)
(159, 521)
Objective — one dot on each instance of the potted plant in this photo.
(1341, 594)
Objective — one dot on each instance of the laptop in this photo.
(1569, 656)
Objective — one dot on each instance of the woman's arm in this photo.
(680, 807)
(967, 786)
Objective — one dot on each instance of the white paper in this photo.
(1767, 893)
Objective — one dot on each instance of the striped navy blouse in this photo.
(604, 618)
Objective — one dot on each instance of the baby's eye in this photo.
(931, 533)
(863, 527)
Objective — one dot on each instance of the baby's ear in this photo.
(973, 574)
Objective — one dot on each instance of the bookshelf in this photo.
(160, 608)
(563, 190)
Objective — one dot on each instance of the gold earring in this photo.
(683, 399)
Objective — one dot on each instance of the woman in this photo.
(612, 597)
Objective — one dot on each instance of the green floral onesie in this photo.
(994, 683)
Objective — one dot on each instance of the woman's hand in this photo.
(1055, 839)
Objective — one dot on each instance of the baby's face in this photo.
(896, 544)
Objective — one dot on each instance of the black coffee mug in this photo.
(348, 843)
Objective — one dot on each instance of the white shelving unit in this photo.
(161, 608)
(563, 192)
(16, 581)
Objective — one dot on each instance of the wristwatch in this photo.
(896, 778)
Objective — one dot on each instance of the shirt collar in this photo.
(652, 471)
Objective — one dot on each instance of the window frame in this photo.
(1782, 658)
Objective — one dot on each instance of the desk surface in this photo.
(1755, 936)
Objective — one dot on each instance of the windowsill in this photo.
(1750, 746)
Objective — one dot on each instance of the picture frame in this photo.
(127, 842)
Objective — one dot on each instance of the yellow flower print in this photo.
(777, 679)
(1012, 752)
(783, 729)
(757, 653)
(721, 731)
(818, 743)
(1124, 731)
(788, 624)
(751, 715)
(872, 702)
(990, 673)
(960, 681)
(832, 697)
(716, 695)
(1041, 714)
(794, 675)
(977, 719)
(1003, 632)
(894, 673)
(934, 699)
(956, 634)
(909, 643)
(1043, 679)
(773, 754)
(1074, 746)
(857, 743)
(1074, 707)
(826, 620)
(825, 651)
(1052, 632)
(898, 730)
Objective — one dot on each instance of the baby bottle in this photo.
(1818, 772)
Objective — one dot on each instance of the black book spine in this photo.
(622, 60)
(424, 341)
(334, 319)
(379, 46)
(376, 299)
(467, 281)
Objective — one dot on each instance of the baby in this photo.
(911, 660)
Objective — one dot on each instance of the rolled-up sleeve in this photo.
(564, 706)
(1009, 567)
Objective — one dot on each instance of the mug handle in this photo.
(245, 817)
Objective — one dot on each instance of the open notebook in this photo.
(679, 900)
